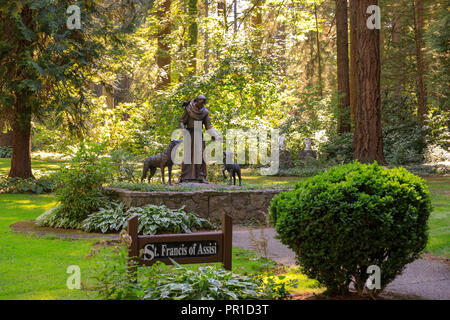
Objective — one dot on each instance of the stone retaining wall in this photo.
(241, 205)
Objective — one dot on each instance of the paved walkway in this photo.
(422, 279)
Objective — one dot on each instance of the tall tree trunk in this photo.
(193, 35)
(21, 115)
(319, 59)
(418, 7)
(343, 66)
(163, 59)
(368, 138)
(353, 46)
(21, 141)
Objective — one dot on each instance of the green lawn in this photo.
(33, 267)
(48, 165)
(439, 222)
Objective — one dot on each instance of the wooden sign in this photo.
(197, 247)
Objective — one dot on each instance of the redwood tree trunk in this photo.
(353, 46)
(21, 142)
(342, 66)
(368, 138)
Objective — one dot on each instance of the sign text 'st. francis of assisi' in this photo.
(197, 247)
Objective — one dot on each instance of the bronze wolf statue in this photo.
(161, 161)
(232, 168)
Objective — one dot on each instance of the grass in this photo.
(439, 222)
(34, 267)
(48, 165)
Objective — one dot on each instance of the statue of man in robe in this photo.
(195, 116)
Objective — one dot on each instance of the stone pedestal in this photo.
(242, 205)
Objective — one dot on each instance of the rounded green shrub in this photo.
(350, 217)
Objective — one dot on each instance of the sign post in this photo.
(197, 247)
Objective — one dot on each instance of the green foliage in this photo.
(215, 174)
(161, 282)
(126, 127)
(57, 64)
(339, 148)
(112, 279)
(152, 220)
(437, 135)
(109, 219)
(56, 218)
(353, 216)
(30, 185)
(241, 86)
(437, 34)
(208, 283)
(5, 152)
(311, 116)
(80, 192)
(276, 287)
(123, 165)
(403, 136)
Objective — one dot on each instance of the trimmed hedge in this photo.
(350, 217)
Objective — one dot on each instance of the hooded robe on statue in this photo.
(195, 111)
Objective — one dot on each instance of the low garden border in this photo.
(241, 205)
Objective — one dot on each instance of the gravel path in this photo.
(421, 279)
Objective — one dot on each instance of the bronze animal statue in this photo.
(161, 161)
(232, 168)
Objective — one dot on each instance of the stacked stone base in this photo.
(241, 205)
